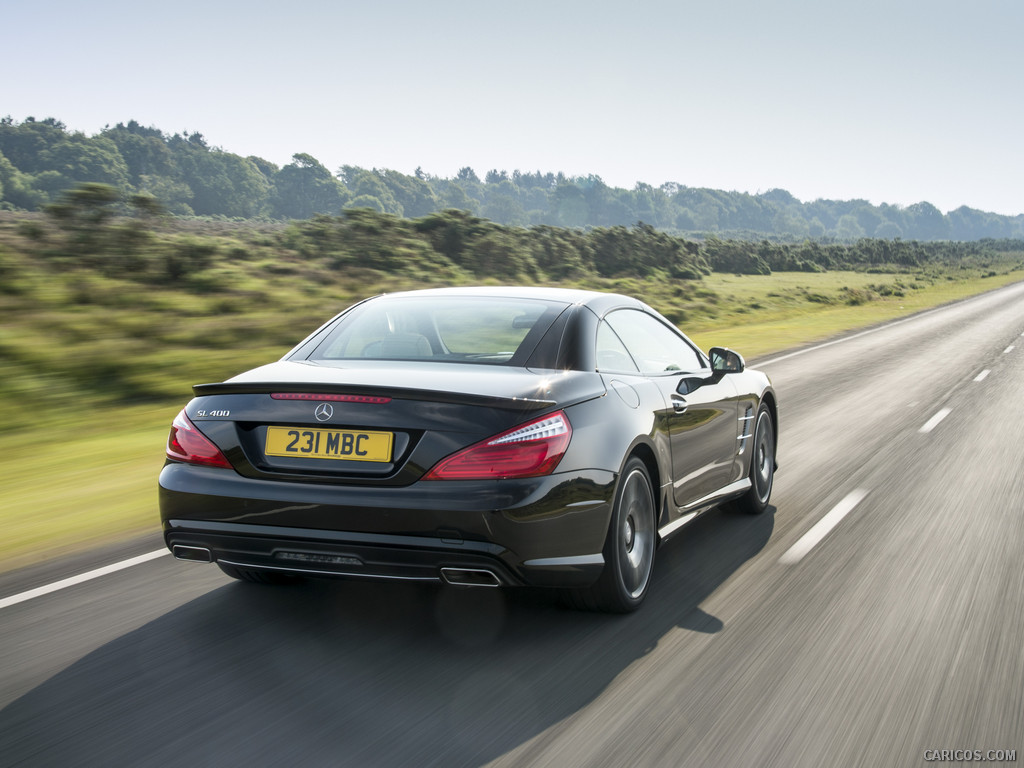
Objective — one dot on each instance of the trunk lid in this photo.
(383, 423)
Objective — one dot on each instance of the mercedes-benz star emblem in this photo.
(323, 412)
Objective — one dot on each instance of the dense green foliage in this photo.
(110, 301)
(40, 160)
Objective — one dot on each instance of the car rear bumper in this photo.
(546, 531)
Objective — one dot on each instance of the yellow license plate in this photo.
(329, 444)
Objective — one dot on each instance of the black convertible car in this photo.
(476, 436)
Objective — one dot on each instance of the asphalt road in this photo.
(765, 641)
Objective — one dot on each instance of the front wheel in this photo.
(629, 547)
(762, 465)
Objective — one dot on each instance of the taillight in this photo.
(529, 450)
(186, 443)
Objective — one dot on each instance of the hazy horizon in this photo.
(892, 103)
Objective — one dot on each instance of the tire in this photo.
(628, 549)
(257, 575)
(762, 465)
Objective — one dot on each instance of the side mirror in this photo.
(725, 360)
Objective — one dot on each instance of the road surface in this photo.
(873, 616)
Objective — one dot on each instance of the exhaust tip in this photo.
(470, 577)
(192, 554)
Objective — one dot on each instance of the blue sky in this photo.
(895, 102)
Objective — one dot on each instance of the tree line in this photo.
(41, 159)
(93, 226)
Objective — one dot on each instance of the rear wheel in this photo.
(257, 575)
(762, 465)
(628, 550)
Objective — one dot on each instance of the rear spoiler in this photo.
(521, 404)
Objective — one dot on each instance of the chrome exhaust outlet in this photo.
(192, 554)
(470, 577)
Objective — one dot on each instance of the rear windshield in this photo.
(460, 329)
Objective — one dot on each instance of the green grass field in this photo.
(787, 320)
(82, 469)
(80, 481)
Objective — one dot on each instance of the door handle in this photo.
(679, 405)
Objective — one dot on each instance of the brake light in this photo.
(188, 444)
(364, 399)
(530, 450)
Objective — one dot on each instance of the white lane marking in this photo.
(822, 528)
(918, 316)
(1008, 350)
(981, 376)
(87, 576)
(762, 363)
(933, 422)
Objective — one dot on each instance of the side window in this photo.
(655, 347)
(612, 356)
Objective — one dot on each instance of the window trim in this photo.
(702, 359)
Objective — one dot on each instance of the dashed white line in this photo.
(87, 576)
(982, 376)
(933, 422)
(822, 528)
(1008, 350)
(851, 337)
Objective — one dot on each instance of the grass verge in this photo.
(80, 481)
(756, 331)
